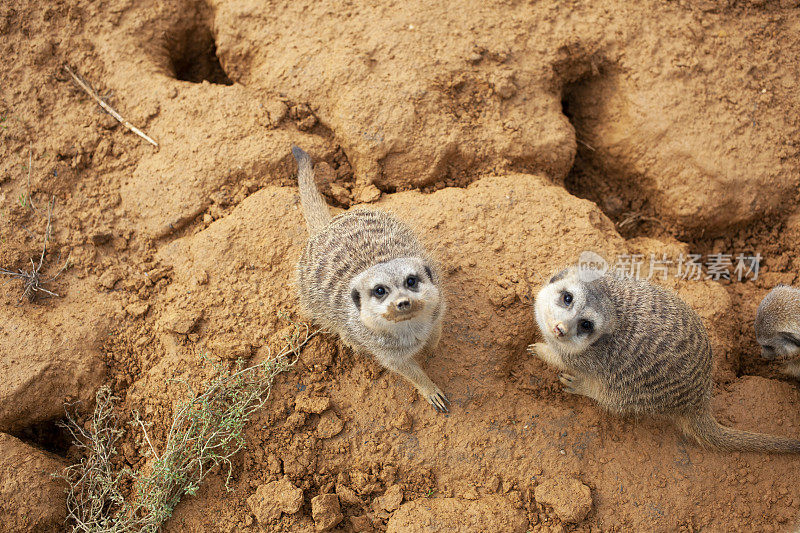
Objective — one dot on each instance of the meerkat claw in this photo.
(569, 381)
(437, 400)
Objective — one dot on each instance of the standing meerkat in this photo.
(365, 276)
(639, 349)
(778, 327)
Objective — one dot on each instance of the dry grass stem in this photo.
(83, 84)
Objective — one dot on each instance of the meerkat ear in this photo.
(429, 273)
(356, 298)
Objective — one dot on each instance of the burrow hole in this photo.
(192, 53)
(48, 435)
(590, 177)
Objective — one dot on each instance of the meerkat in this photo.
(778, 327)
(365, 276)
(636, 349)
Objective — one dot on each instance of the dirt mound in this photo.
(32, 500)
(513, 136)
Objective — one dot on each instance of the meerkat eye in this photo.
(587, 326)
(411, 282)
(379, 291)
(567, 298)
(791, 338)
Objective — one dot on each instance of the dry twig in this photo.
(83, 84)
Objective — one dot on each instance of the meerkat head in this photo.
(572, 313)
(778, 323)
(398, 294)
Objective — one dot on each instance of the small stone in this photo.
(471, 493)
(348, 495)
(369, 194)
(403, 421)
(101, 237)
(361, 524)
(137, 309)
(296, 420)
(201, 277)
(272, 499)
(326, 512)
(110, 278)
(329, 425)
(299, 112)
(392, 498)
(312, 404)
(230, 347)
(307, 123)
(340, 194)
(570, 499)
(276, 112)
(157, 274)
(182, 321)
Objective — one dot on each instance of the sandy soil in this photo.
(513, 135)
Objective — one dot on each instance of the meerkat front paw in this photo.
(544, 352)
(537, 348)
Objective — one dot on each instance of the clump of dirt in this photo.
(512, 136)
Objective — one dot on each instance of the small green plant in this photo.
(206, 431)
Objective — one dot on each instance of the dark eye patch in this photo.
(356, 299)
(791, 338)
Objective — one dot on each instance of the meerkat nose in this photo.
(559, 330)
(403, 305)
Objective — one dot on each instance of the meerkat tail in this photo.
(315, 209)
(707, 431)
